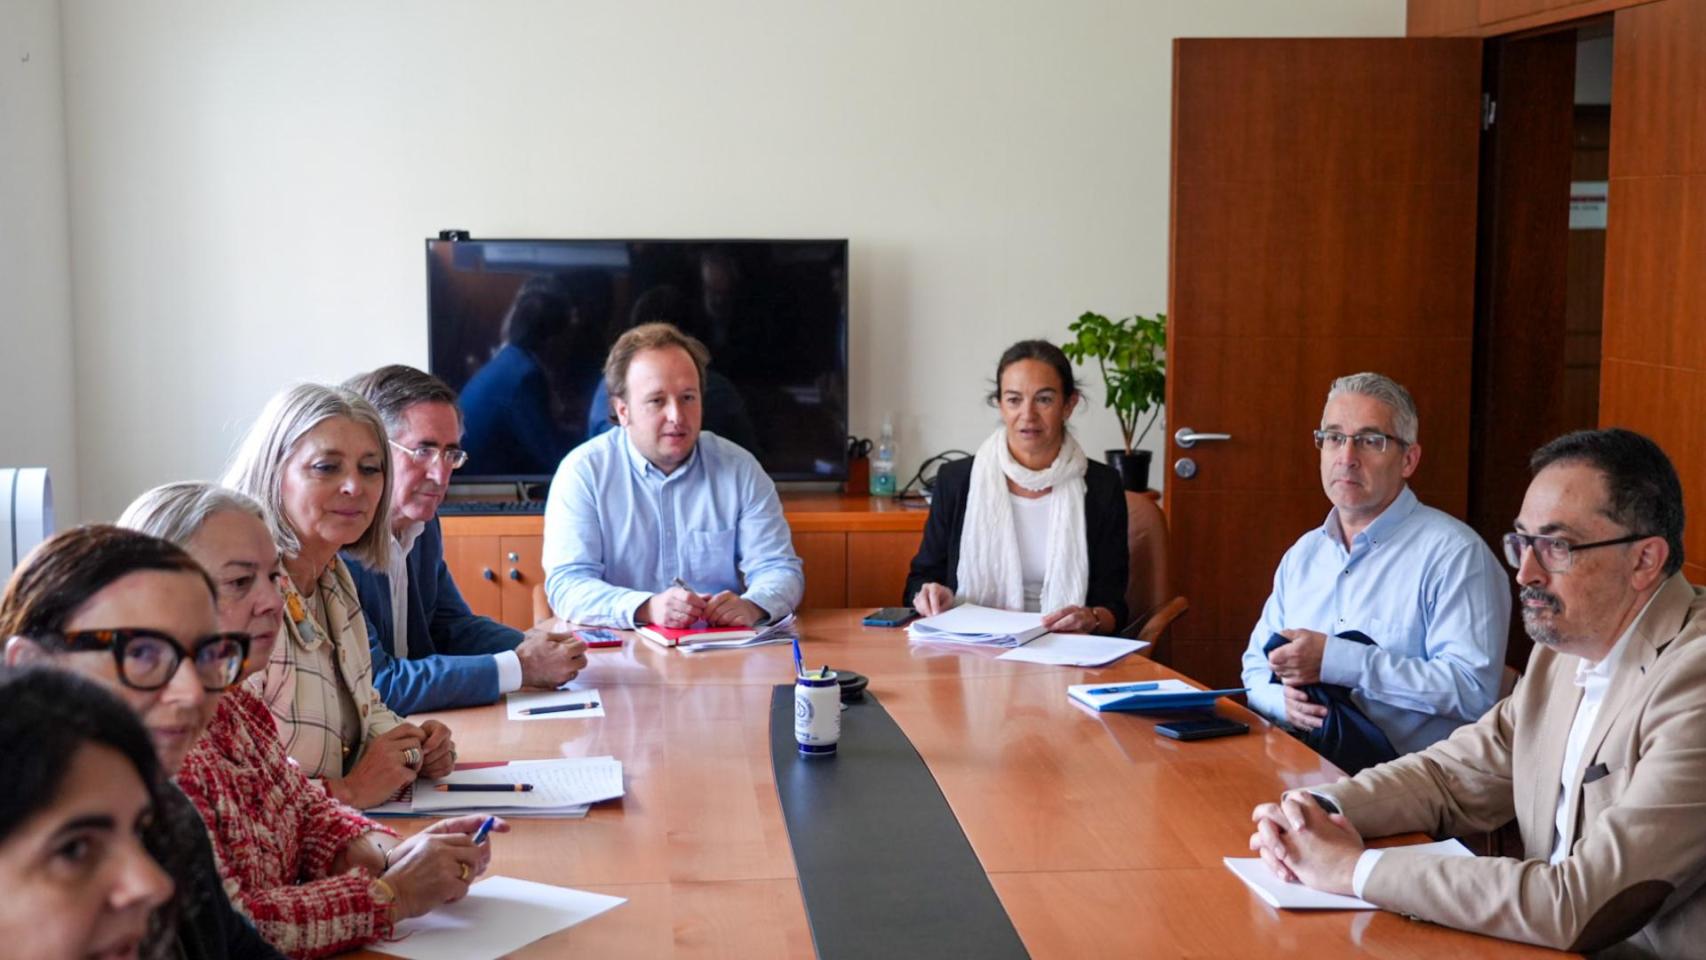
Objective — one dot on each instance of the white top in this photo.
(1031, 524)
(507, 661)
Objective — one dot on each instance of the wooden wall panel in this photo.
(877, 564)
(1490, 18)
(1441, 18)
(1653, 369)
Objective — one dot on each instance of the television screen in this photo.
(521, 328)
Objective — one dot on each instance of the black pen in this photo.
(483, 787)
(560, 708)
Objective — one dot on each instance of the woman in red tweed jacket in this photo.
(315, 876)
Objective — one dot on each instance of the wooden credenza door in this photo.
(1323, 223)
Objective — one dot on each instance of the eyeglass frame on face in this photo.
(454, 457)
(1368, 440)
(119, 639)
(1519, 542)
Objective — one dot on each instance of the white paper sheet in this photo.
(1074, 649)
(517, 702)
(499, 916)
(782, 631)
(970, 623)
(556, 784)
(1295, 896)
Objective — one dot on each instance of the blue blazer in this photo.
(450, 647)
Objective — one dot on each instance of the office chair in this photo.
(1149, 591)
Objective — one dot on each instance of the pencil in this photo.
(483, 787)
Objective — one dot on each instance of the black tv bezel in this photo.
(461, 236)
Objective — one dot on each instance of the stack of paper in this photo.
(1074, 650)
(1295, 896)
(499, 916)
(560, 788)
(1139, 696)
(781, 631)
(979, 626)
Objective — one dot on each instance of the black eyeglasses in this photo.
(1554, 553)
(149, 659)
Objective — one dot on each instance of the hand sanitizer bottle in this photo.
(882, 466)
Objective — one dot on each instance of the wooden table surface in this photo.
(1100, 837)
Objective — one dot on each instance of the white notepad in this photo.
(557, 785)
(1295, 896)
(515, 703)
(498, 916)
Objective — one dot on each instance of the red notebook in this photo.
(675, 636)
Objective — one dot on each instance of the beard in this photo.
(1541, 630)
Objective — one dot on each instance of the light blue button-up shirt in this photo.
(1429, 593)
(618, 530)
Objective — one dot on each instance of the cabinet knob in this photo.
(488, 574)
(514, 557)
(515, 574)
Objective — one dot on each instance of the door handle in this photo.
(1188, 438)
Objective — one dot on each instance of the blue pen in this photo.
(1123, 688)
(799, 671)
(485, 828)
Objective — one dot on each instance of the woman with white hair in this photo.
(316, 876)
(319, 463)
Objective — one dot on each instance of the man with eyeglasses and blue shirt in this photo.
(1387, 625)
(430, 651)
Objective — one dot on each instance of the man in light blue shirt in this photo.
(658, 522)
(1421, 585)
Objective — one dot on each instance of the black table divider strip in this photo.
(885, 870)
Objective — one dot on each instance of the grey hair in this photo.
(257, 469)
(1387, 391)
(175, 511)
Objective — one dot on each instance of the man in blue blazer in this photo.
(430, 652)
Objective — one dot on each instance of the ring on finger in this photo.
(411, 756)
(466, 873)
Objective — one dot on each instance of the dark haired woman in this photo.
(136, 614)
(1028, 523)
(76, 822)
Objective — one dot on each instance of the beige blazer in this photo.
(302, 699)
(1631, 883)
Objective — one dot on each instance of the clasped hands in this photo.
(679, 606)
(1303, 843)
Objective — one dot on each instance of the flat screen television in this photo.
(521, 328)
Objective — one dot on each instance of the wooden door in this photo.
(473, 564)
(1653, 354)
(1323, 223)
(522, 572)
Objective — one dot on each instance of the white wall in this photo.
(38, 399)
(251, 182)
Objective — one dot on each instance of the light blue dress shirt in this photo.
(618, 530)
(1429, 593)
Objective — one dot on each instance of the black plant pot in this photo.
(1133, 468)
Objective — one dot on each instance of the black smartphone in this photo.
(889, 617)
(1201, 729)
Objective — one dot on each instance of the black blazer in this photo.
(938, 559)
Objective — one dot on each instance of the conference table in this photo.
(1099, 837)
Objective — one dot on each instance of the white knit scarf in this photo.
(989, 572)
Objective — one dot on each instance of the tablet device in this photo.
(889, 617)
(1201, 729)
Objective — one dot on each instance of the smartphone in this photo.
(889, 617)
(600, 638)
(1201, 729)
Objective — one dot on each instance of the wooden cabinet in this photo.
(856, 551)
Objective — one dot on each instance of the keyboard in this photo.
(478, 507)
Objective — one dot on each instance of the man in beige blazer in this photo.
(1599, 754)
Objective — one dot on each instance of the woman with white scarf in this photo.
(1028, 523)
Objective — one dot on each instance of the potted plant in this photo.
(1132, 355)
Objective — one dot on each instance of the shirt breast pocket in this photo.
(709, 556)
